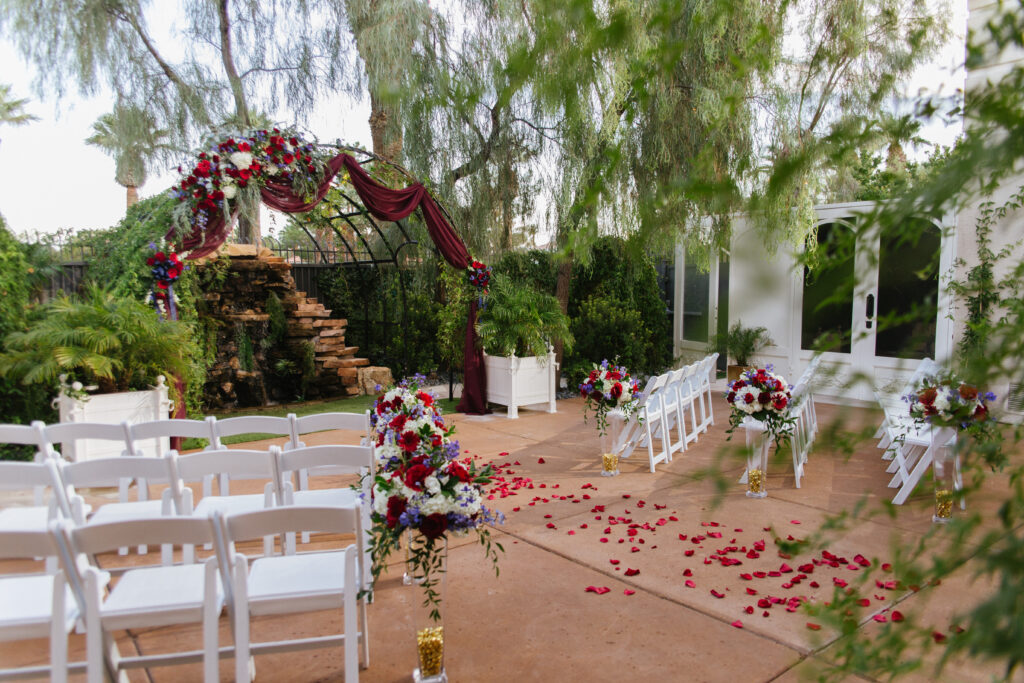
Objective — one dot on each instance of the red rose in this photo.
(409, 441)
(731, 396)
(398, 422)
(436, 440)
(764, 398)
(616, 391)
(433, 526)
(427, 399)
(243, 147)
(927, 396)
(415, 475)
(380, 439)
(967, 392)
(739, 384)
(596, 395)
(287, 159)
(748, 398)
(396, 506)
(614, 374)
(457, 470)
(244, 173)
(150, 261)
(779, 403)
(981, 413)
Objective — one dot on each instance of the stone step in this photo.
(326, 334)
(330, 323)
(247, 317)
(348, 374)
(345, 362)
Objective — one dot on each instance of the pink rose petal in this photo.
(717, 594)
(690, 584)
(737, 624)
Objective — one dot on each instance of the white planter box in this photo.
(516, 382)
(128, 406)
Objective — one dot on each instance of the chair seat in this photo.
(137, 509)
(174, 593)
(327, 497)
(27, 601)
(230, 504)
(321, 575)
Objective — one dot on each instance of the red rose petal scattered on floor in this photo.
(571, 532)
(634, 549)
(551, 525)
(547, 516)
(886, 567)
(628, 592)
(540, 461)
(632, 572)
(880, 618)
(814, 627)
(737, 624)
(600, 590)
(766, 613)
(689, 584)
(861, 560)
(687, 572)
(785, 569)
(760, 574)
(746, 577)
(583, 526)
(938, 637)
(717, 594)
(626, 495)
(864, 602)
(839, 582)
(814, 584)
(603, 539)
(897, 615)
(764, 603)
(787, 585)
(515, 509)
(688, 553)
(749, 609)
(794, 521)
(751, 591)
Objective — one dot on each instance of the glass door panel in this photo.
(696, 302)
(826, 322)
(908, 287)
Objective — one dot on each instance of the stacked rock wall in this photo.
(236, 311)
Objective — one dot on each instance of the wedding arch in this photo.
(293, 176)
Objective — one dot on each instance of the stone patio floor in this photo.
(672, 620)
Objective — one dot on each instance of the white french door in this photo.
(697, 305)
(877, 303)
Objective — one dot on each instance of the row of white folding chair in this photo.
(663, 405)
(912, 449)
(189, 593)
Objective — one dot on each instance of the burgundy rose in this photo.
(409, 441)
(396, 506)
(967, 392)
(616, 391)
(981, 413)
(748, 398)
(731, 396)
(433, 526)
(927, 396)
(596, 395)
(415, 475)
(398, 422)
(764, 398)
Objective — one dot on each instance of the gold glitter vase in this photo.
(611, 442)
(430, 630)
(944, 476)
(757, 464)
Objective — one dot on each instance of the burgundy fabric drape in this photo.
(385, 204)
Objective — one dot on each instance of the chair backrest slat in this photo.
(252, 424)
(109, 471)
(70, 432)
(342, 458)
(93, 539)
(26, 544)
(252, 525)
(194, 429)
(236, 463)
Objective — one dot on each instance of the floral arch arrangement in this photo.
(287, 172)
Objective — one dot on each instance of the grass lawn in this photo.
(353, 404)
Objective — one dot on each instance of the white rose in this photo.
(229, 190)
(241, 159)
(941, 401)
(432, 485)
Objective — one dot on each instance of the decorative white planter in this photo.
(127, 406)
(516, 382)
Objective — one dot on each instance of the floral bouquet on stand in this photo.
(950, 406)
(612, 394)
(480, 277)
(165, 267)
(422, 487)
(760, 394)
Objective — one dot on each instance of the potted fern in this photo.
(741, 343)
(106, 355)
(517, 328)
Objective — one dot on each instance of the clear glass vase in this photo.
(429, 614)
(757, 464)
(944, 476)
(610, 442)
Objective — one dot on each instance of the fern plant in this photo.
(115, 342)
(743, 342)
(518, 320)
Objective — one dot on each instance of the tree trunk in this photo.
(131, 196)
(562, 294)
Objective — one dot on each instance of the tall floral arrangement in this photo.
(608, 386)
(229, 167)
(421, 485)
(480, 277)
(762, 395)
(949, 402)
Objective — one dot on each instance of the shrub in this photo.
(534, 268)
(519, 320)
(604, 329)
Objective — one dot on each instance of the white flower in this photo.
(433, 505)
(432, 485)
(941, 401)
(229, 190)
(241, 159)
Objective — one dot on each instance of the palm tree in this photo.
(12, 111)
(896, 131)
(129, 135)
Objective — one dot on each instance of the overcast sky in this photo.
(50, 179)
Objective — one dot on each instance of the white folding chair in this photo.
(330, 460)
(33, 435)
(703, 378)
(37, 477)
(634, 431)
(296, 583)
(690, 394)
(672, 412)
(147, 596)
(256, 426)
(653, 414)
(228, 464)
(102, 472)
(320, 422)
(68, 434)
(147, 437)
(36, 605)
